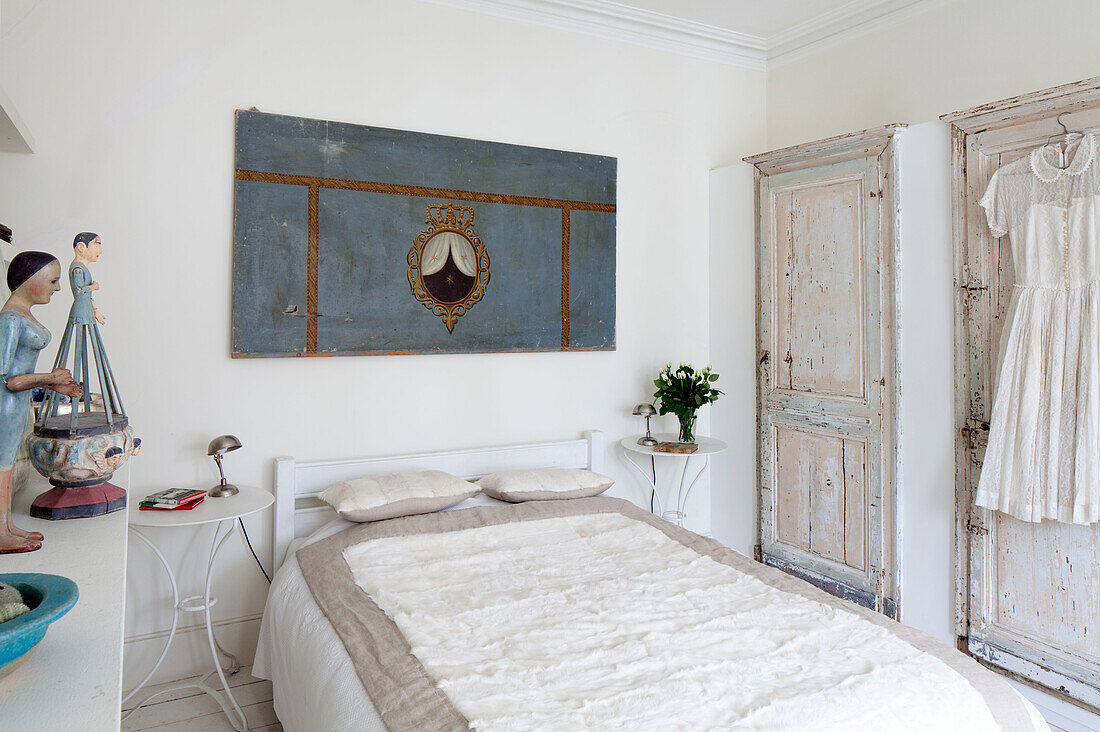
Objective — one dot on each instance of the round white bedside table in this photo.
(219, 511)
(707, 446)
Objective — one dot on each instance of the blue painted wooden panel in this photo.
(327, 213)
(269, 253)
(365, 297)
(591, 298)
(295, 145)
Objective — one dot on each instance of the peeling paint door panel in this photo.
(819, 299)
(1029, 593)
(819, 489)
(826, 237)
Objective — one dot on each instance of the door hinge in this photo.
(976, 529)
(976, 432)
(758, 553)
(972, 284)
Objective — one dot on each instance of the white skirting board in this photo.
(1060, 714)
(189, 654)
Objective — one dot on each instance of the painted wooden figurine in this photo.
(79, 450)
(87, 247)
(33, 279)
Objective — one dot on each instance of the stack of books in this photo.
(172, 499)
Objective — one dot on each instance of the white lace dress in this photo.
(1043, 458)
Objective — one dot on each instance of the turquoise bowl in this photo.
(49, 596)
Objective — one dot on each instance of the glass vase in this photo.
(687, 427)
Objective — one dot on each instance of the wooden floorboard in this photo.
(192, 710)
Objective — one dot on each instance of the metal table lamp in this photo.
(647, 411)
(218, 447)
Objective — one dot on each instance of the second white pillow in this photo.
(547, 484)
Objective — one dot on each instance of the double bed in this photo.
(586, 613)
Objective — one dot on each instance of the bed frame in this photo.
(298, 511)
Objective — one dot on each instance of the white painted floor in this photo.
(190, 710)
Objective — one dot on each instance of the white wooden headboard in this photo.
(298, 511)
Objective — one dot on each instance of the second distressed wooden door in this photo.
(826, 217)
(1027, 592)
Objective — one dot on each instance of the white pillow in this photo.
(548, 484)
(378, 497)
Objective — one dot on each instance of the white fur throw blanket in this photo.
(593, 614)
(600, 622)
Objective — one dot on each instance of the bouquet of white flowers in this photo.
(682, 392)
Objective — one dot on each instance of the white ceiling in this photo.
(755, 34)
(749, 33)
(763, 18)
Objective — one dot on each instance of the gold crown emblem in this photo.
(449, 216)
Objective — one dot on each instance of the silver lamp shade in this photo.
(647, 411)
(218, 447)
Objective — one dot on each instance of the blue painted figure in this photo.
(33, 279)
(81, 339)
(87, 247)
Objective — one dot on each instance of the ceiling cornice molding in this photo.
(613, 21)
(631, 25)
(855, 19)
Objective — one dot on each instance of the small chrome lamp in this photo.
(218, 447)
(647, 411)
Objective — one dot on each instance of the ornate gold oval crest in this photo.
(448, 264)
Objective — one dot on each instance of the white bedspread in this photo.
(601, 622)
(314, 684)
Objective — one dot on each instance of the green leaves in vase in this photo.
(682, 392)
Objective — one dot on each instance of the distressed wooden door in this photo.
(1028, 593)
(826, 218)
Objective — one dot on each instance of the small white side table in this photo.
(707, 446)
(220, 511)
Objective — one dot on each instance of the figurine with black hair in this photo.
(33, 278)
(79, 446)
(87, 246)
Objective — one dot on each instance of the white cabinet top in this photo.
(73, 678)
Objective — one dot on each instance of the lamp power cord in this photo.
(258, 564)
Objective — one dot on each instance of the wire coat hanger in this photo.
(1066, 135)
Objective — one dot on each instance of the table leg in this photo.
(681, 494)
(215, 547)
(676, 513)
(175, 620)
(233, 711)
(654, 493)
(234, 664)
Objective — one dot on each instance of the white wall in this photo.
(131, 104)
(734, 496)
(927, 481)
(959, 54)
